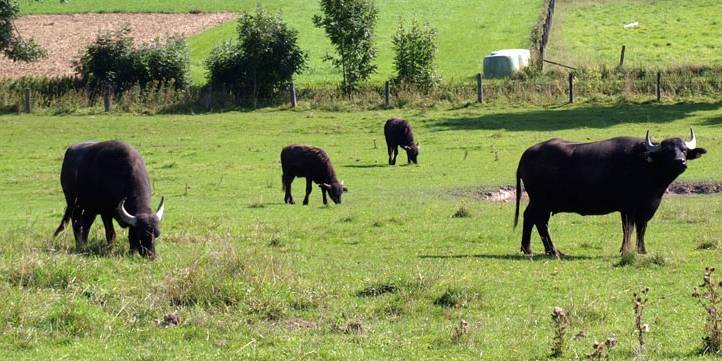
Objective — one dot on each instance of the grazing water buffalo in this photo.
(313, 164)
(110, 179)
(625, 174)
(398, 134)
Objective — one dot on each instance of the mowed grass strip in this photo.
(390, 273)
(467, 31)
(670, 33)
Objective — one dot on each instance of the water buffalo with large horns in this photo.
(624, 174)
(398, 133)
(312, 163)
(109, 179)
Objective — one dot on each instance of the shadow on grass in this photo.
(592, 116)
(101, 248)
(510, 257)
(376, 165)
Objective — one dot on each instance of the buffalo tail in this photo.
(518, 198)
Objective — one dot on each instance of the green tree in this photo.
(349, 24)
(415, 49)
(262, 62)
(11, 44)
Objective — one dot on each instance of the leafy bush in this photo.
(263, 61)
(349, 24)
(113, 59)
(11, 44)
(415, 49)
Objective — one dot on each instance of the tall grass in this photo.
(594, 83)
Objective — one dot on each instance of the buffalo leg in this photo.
(641, 229)
(81, 228)
(323, 193)
(109, 230)
(627, 229)
(526, 230)
(542, 226)
(287, 180)
(309, 187)
(396, 153)
(391, 154)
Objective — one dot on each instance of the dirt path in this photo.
(63, 36)
(508, 193)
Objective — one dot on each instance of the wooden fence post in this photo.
(621, 57)
(659, 86)
(386, 93)
(293, 95)
(107, 101)
(571, 87)
(27, 101)
(479, 89)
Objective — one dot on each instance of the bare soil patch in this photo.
(64, 36)
(507, 193)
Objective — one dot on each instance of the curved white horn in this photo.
(650, 146)
(125, 216)
(692, 143)
(161, 208)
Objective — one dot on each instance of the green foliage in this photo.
(415, 49)
(11, 44)
(263, 61)
(113, 59)
(350, 25)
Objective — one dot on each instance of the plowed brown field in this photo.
(63, 36)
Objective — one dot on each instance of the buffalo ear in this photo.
(345, 189)
(695, 153)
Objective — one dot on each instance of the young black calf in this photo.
(312, 163)
(398, 133)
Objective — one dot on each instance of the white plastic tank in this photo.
(505, 62)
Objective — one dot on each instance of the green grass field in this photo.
(670, 32)
(467, 32)
(388, 274)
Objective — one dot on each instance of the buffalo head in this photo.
(144, 228)
(412, 152)
(673, 153)
(335, 190)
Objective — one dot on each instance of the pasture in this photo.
(388, 274)
(670, 33)
(460, 52)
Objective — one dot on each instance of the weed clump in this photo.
(601, 349)
(377, 290)
(641, 328)
(460, 332)
(561, 324)
(628, 259)
(462, 212)
(711, 300)
(452, 298)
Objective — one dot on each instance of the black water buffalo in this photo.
(398, 134)
(312, 163)
(625, 174)
(109, 179)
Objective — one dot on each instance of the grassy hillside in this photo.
(670, 32)
(388, 274)
(467, 30)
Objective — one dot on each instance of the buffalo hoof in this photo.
(642, 251)
(555, 253)
(526, 251)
